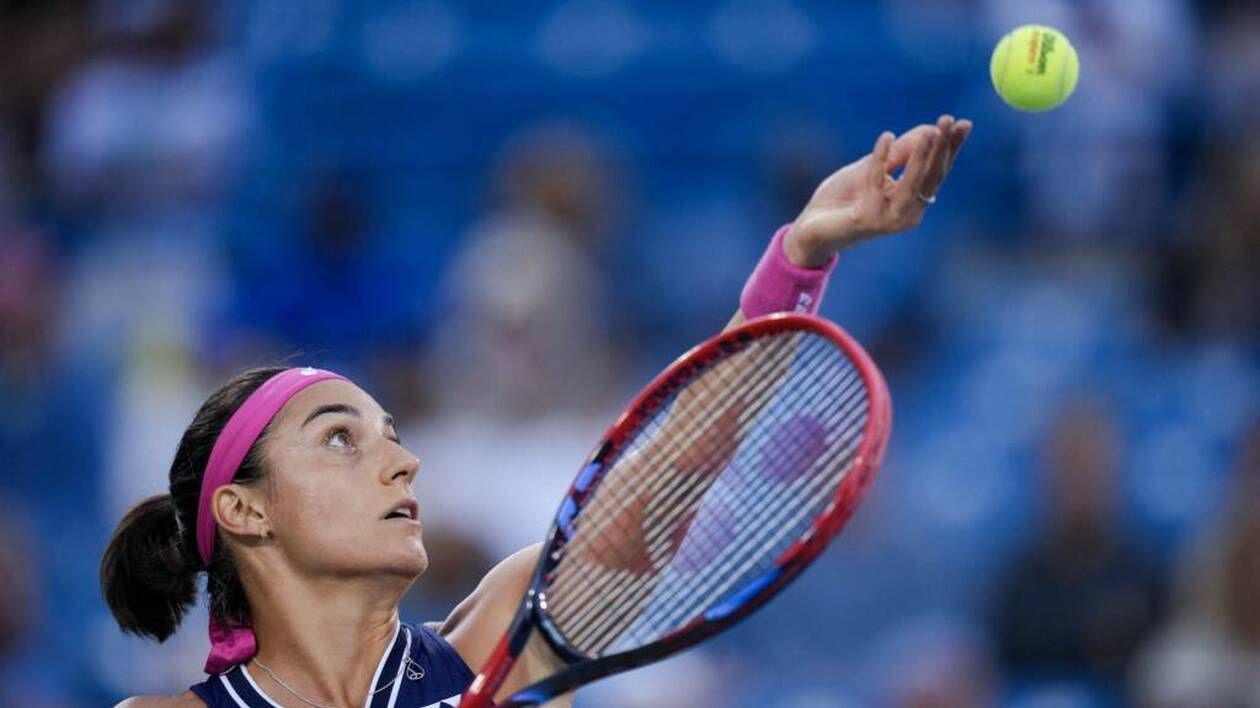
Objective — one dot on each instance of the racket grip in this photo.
(480, 693)
(476, 696)
(478, 701)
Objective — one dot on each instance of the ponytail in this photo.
(149, 572)
(148, 578)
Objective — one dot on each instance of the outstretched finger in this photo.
(938, 161)
(961, 130)
(911, 181)
(877, 171)
(904, 146)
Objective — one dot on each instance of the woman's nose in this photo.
(404, 464)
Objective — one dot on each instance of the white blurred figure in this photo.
(523, 370)
(156, 121)
(527, 376)
(139, 147)
(1209, 653)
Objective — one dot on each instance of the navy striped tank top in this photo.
(419, 670)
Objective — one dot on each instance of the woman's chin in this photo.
(401, 554)
(412, 559)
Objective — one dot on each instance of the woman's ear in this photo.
(241, 510)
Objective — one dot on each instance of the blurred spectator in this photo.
(19, 594)
(560, 171)
(1079, 600)
(1231, 64)
(41, 42)
(523, 370)
(19, 606)
(49, 453)
(527, 302)
(138, 146)
(323, 283)
(1209, 654)
(312, 166)
(1210, 280)
(155, 119)
(28, 308)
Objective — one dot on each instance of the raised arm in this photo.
(862, 200)
(858, 202)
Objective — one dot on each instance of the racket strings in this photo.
(665, 543)
(767, 496)
(786, 527)
(644, 578)
(600, 523)
(630, 593)
(646, 581)
(603, 635)
(770, 535)
(683, 436)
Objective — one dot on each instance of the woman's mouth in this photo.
(407, 510)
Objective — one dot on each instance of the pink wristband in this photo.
(779, 285)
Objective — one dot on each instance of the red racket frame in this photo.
(743, 601)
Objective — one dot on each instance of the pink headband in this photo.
(229, 644)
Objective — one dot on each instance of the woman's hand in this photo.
(862, 201)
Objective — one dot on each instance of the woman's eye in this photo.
(339, 437)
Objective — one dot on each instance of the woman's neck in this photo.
(324, 638)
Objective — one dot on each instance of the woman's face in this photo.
(339, 495)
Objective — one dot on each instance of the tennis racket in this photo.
(717, 486)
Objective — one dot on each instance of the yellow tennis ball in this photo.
(1034, 68)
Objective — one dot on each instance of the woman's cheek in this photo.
(317, 515)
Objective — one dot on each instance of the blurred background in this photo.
(502, 218)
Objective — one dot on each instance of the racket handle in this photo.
(475, 696)
(477, 701)
(480, 693)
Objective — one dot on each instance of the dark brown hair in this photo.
(149, 570)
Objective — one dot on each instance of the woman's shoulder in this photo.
(474, 627)
(187, 699)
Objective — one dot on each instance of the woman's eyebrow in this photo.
(332, 408)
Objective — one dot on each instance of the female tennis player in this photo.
(291, 491)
